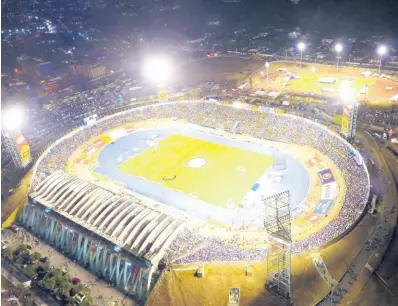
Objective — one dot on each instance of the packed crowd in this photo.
(286, 128)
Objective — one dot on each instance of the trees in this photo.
(49, 283)
(35, 256)
(30, 271)
(8, 253)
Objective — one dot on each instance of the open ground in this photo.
(308, 76)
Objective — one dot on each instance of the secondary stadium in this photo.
(185, 182)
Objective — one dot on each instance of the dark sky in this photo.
(349, 17)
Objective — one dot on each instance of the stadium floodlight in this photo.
(157, 69)
(346, 91)
(12, 119)
(338, 48)
(382, 50)
(301, 47)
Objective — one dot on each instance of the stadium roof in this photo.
(121, 219)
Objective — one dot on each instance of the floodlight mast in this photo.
(15, 142)
(158, 70)
(267, 66)
(382, 50)
(301, 47)
(338, 48)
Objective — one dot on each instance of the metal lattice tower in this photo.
(12, 148)
(277, 223)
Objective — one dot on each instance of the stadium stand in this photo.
(282, 128)
(121, 219)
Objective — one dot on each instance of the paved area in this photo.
(102, 292)
(355, 279)
(16, 277)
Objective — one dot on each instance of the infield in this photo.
(213, 172)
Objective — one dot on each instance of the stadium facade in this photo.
(122, 239)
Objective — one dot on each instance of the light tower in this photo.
(158, 70)
(338, 48)
(301, 47)
(15, 141)
(277, 223)
(382, 50)
(350, 111)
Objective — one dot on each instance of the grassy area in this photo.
(308, 81)
(217, 181)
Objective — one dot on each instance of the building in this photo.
(89, 71)
(44, 69)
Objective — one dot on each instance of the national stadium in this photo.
(187, 183)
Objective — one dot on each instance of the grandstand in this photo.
(150, 235)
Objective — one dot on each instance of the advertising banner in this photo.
(234, 296)
(313, 218)
(163, 94)
(329, 191)
(323, 207)
(346, 119)
(322, 166)
(23, 148)
(313, 161)
(326, 176)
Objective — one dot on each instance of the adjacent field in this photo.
(217, 69)
(217, 182)
(309, 81)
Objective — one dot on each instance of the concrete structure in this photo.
(115, 235)
(89, 71)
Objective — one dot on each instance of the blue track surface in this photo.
(295, 177)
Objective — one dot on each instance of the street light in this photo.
(301, 47)
(338, 48)
(267, 66)
(382, 50)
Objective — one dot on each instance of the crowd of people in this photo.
(282, 128)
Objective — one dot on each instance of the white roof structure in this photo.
(118, 218)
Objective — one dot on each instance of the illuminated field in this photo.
(173, 160)
(308, 81)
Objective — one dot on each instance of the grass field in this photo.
(309, 81)
(218, 182)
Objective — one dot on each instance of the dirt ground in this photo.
(16, 200)
(179, 286)
(218, 69)
(308, 81)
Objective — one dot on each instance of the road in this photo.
(101, 291)
(14, 275)
(354, 281)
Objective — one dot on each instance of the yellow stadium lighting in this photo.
(12, 119)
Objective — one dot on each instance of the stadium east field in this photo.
(200, 168)
(308, 81)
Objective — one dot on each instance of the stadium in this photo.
(182, 183)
